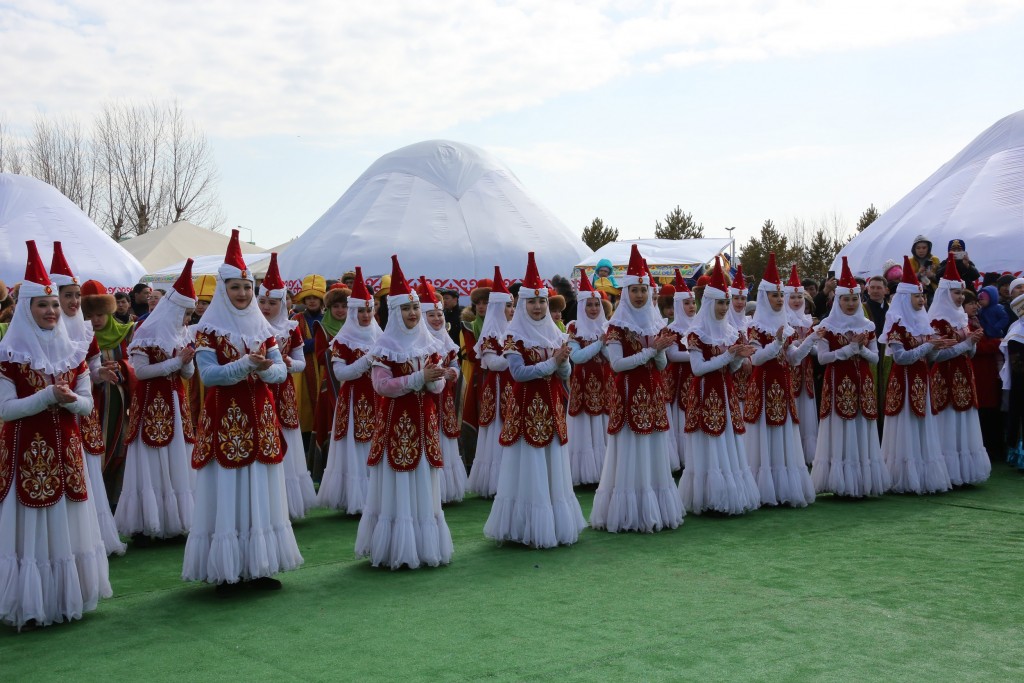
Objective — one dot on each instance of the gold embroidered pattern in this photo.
(433, 442)
(963, 391)
(640, 407)
(775, 404)
(918, 394)
(204, 439)
(575, 394)
(92, 432)
(404, 448)
(269, 433)
(158, 425)
(940, 392)
(341, 412)
(826, 395)
(487, 403)
(713, 409)
(74, 473)
(508, 402)
(868, 397)
(450, 418)
(511, 417)
(40, 472)
(287, 405)
(6, 466)
(894, 392)
(235, 434)
(363, 419)
(846, 398)
(593, 396)
(539, 422)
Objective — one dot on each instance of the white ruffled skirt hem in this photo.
(637, 492)
(346, 475)
(483, 475)
(297, 481)
(848, 460)
(588, 436)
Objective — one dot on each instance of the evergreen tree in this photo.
(678, 226)
(754, 254)
(597, 234)
(818, 256)
(869, 216)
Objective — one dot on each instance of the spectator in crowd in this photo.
(925, 265)
(452, 311)
(810, 287)
(123, 312)
(987, 359)
(991, 315)
(140, 299)
(964, 266)
(564, 288)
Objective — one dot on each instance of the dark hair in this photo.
(807, 282)
(970, 297)
(163, 292)
(139, 287)
(121, 296)
(878, 278)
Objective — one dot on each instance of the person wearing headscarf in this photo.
(958, 259)
(324, 331)
(453, 474)
(535, 504)
(954, 393)
(53, 564)
(104, 428)
(739, 294)
(717, 476)
(637, 492)
(588, 386)
(494, 388)
(471, 388)
(240, 526)
(802, 375)
(773, 444)
(347, 475)
(272, 303)
(403, 523)
(1013, 383)
(307, 382)
(910, 439)
(847, 460)
(684, 310)
(156, 499)
(924, 265)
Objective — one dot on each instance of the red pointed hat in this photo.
(651, 282)
(498, 286)
(586, 288)
(771, 275)
(717, 289)
(360, 296)
(794, 284)
(273, 285)
(635, 271)
(36, 282)
(428, 295)
(846, 280)
(183, 292)
(682, 289)
(60, 271)
(951, 276)
(909, 284)
(234, 265)
(739, 283)
(400, 292)
(533, 286)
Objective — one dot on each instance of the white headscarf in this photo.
(49, 351)
(681, 322)
(398, 343)
(710, 329)
(541, 333)
(943, 308)
(441, 335)
(765, 319)
(355, 336)
(282, 324)
(585, 327)
(840, 323)
(902, 311)
(164, 328)
(495, 323)
(799, 318)
(246, 328)
(738, 319)
(78, 329)
(645, 320)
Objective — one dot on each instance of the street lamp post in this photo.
(732, 245)
(251, 240)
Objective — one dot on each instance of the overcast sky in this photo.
(622, 109)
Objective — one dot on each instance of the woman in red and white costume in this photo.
(156, 497)
(240, 527)
(717, 475)
(53, 565)
(535, 504)
(347, 475)
(402, 522)
(910, 435)
(773, 445)
(739, 293)
(274, 307)
(684, 308)
(588, 386)
(637, 492)
(803, 372)
(847, 459)
(495, 389)
(91, 426)
(453, 475)
(954, 394)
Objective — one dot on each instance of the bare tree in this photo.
(10, 150)
(60, 154)
(192, 173)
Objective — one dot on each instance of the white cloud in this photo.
(355, 69)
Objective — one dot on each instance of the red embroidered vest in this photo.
(450, 425)
(491, 381)
(803, 375)
(238, 424)
(906, 381)
(588, 384)
(770, 387)
(151, 411)
(848, 387)
(682, 375)
(90, 425)
(953, 380)
(638, 398)
(285, 399)
(41, 454)
(710, 394)
(535, 410)
(356, 397)
(408, 428)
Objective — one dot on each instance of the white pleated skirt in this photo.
(776, 458)
(453, 477)
(717, 475)
(963, 447)
(346, 476)
(483, 475)
(848, 460)
(637, 492)
(298, 483)
(807, 413)
(403, 523)
(677, 418)
(912, 452)
(104, 516)
(588, 441)
(240, 527)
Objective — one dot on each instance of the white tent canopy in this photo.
(663, 256)
(163, 247)
(450, 211)
(32, 209)
(977, 197)
(208, 265)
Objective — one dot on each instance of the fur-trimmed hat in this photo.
(481, 292)
(556, 303)
(338, 293)
(96, 300)
(3, 291)
(468, 315)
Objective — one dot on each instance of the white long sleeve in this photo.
(702, 367)
(14, 408)
(521, 372)
(95, 363)
(146, 370)
(765, 353)
(620, 364)
(346, 372)
(870, 352)
(581, 354)
(825, 355)
(675, 355)
(298, 359)
(902, 356)
(494, 362)
(946, 354)
(796, 353)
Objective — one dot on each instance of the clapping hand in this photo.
(562, 354)
(261, 362)
(187, 354)
(663, 340)
(977, 335)
(63, 393)
(943, 343)
(432, 372)
(110, 373)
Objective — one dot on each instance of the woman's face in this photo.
(71, 300)
(510, 309)
(45, 311)
(775, 301)
(537, 307)
(971, 308)
(239, 292)
(411, 314)
(187, 318)
(480, 308)
(721, 308)
(796, 301)
(689, 307)
(849, 303)
(365, 316)
(339, 310)
(99, 321)
(593, 308)
(921, 249)
(604, 271)
(917, 301)
(957, 295)
(739, 303)
(638, 295)
(201, 307)
(435, 319)
(270, 307)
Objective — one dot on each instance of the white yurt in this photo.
(162, 247)
(977, 197)
(451, 211)
(33, 210)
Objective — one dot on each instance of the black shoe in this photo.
(223, 590)
(265, 583)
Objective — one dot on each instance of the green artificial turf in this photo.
(896, 588)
